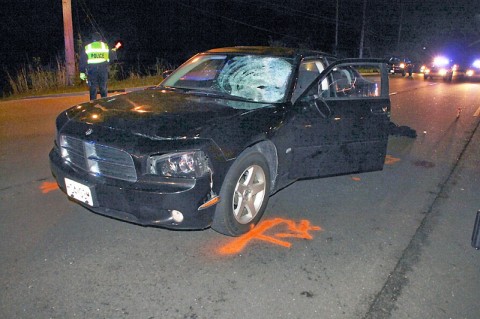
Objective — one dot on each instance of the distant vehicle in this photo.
(441, 67)
(473, 71)
(223, 132)
(401, 66)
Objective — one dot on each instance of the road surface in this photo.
(389, 244)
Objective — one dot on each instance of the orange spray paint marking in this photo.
(47, 187)
(356, 179)
(259, 232)
(390, 160)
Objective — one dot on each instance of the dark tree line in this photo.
(173, 30)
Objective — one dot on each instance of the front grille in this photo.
(98, 159)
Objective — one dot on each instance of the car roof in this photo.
(275, 51)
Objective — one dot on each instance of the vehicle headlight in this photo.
(186, 164)
(442, 72)
(402, 65)
(441, 61)
(470, 72)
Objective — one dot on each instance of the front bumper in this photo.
(143, 202)
(442, 73)
(395, 70)
(467, 76)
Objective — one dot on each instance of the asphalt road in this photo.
(389, 244)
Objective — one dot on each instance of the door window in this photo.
(353, 81)
(307, 73)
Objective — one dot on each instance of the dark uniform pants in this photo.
(97, 79)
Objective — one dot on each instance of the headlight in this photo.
(185, 164)
(470, 72)
(402, 65)
(442, 72)
(441, 61)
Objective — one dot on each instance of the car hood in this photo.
(172, 120)
(161, 114)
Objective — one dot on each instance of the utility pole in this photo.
(362, 36)
(68, 35)
(400, 27)
(335, 49)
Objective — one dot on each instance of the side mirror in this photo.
(166, 74)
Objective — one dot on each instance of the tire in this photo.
(243, 195)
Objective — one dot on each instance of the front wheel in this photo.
(243, 195)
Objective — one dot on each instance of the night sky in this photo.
(32, 30)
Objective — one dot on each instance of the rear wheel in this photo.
(244, 195)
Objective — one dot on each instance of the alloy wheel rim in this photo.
(249, 194)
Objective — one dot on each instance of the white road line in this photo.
(477, 112)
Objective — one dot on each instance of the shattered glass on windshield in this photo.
(253, 78)
(259, 79)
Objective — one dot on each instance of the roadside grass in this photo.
(38, 80)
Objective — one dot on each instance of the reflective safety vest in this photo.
(97, 52)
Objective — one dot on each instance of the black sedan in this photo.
(228, 128)
(402, 66)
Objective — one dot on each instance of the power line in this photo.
(90, 17)
(276, 8)
(204, 12)
(295, 12)
(299, 13)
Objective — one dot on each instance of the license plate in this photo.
(79, 191)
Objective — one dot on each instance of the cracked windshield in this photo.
(252, 78)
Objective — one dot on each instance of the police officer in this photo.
(94, 62)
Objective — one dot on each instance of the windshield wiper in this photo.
(217, 94)
(206, 93)
(170, 88)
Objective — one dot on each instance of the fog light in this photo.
(177, 216)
